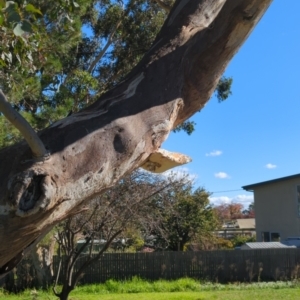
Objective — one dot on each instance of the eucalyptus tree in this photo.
(48, 178)
(59, 57)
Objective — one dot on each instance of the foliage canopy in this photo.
(58, 57)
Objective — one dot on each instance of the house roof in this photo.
(265, 245)
(246, 223)
(250, 187)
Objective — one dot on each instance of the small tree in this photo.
(229, 211)
(100, 223)
(183, 215)
(239, 240)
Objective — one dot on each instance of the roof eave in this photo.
(250, 187)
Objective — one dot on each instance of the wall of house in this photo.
(276, 209)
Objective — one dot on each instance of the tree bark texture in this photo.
(92, 149)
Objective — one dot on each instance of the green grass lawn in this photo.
(267, 294)
(207, 295)
(181, 289)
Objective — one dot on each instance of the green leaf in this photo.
(13, 17)
(10, 4)
(2, 4)
(33, 9)
(26, 26)
(1, 18)
(9, 56)
(18, 31)
(75, 4)
(22, 27)
(11, 9)
(18, 57)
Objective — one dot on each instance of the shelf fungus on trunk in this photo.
(163, 160)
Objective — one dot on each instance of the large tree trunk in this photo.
(91, 150)
(42, 260)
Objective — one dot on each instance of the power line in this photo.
(227, 191)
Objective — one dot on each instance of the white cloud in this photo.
(220, 200)
(214, 153)
(245, 200)
(222, 175)
(270, 166)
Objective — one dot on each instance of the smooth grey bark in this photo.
(92, 149)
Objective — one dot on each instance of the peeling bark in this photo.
(92, 149)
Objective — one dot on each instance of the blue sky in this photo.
(254, 135)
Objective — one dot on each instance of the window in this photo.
(265, 236)
(298, 199)
(275, 237)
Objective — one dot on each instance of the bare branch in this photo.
(56, 279)
(95, 258)
(36, 145)
(110, 40)
(88, 220)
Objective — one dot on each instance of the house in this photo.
(277, 209)
(237, 227)
(246, 224)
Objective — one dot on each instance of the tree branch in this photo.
(36, 145)
(163, 5)
(110, 40)
(95, 258)
(57, 276)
